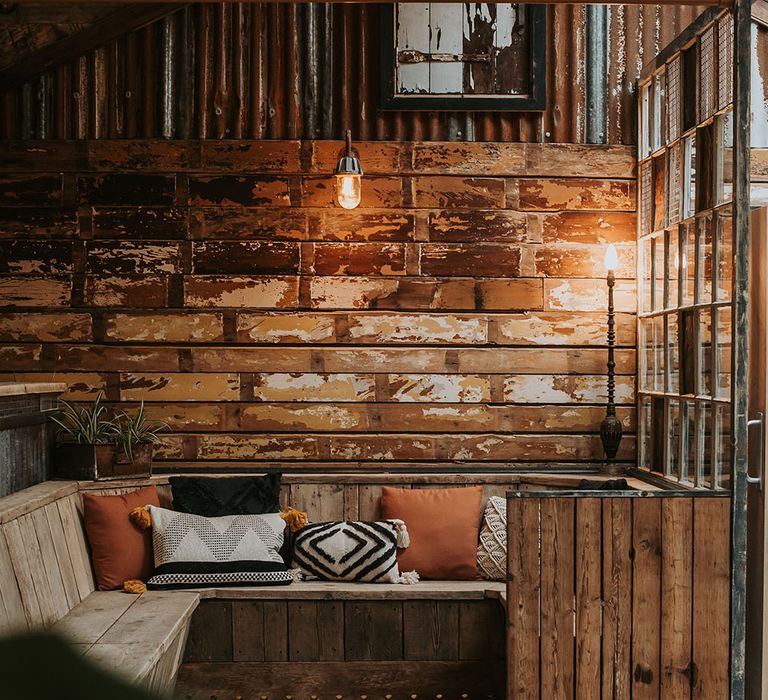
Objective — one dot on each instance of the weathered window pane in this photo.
(705, 352)
(723, 352)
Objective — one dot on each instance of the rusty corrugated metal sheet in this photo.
(311, 71)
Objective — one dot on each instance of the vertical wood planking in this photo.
(63, 557)
(363, 623)
(323, 502)
(430, 630)
(42, 530)
(617, 594)
(676, 588)
(316, 630)
(210, 633)
(276, 630)
(557, 596)
(588, 574)
(13, 618)
(523, 574)
(18, 554)
(711, 596)
(481, 631)
(71, 521)
(248, 631)
(646, 598)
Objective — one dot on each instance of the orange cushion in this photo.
(119, 550)
(443, 526)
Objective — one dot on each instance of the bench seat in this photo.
(325, 590)
(141, 637)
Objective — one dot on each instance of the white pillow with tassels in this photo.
(492, 549)
(352, 551)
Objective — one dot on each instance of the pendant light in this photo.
(349, 175)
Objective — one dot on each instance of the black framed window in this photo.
(471, 56)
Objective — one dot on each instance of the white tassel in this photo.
(403, 538)
(409, 577)
(297, 575)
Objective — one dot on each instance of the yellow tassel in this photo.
(295, 519)
(134, 586)
(141, 518)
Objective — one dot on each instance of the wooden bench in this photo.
(46, 581)
(435, 637)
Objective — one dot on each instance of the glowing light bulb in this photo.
(611, 258)
(349, 189)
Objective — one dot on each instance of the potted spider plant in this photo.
(92, 443)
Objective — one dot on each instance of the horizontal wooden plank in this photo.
(232, 190)
(129, 258)
(33, 222)
(154, 386)
(204, 291)
(589, 227)
(250, 156)
(313, 387)
(248, 222)
(81, 386)
(465, 260)
(26, 257)
(18, 291)
(581, 261)
(164, 327)
(588, 295)
(441, 191)
(469, 158)
(378, 156)
(575, 194)
(561, 329)
(38, 496)
(361, 225)
(48, 327)
(358, 259)
(457, 226)
(245, 257)
(554, 388)
(139, 223)
(125, 189)
(30, 190)
(137, 292)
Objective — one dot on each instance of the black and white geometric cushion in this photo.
(350, 551)
(233, 550)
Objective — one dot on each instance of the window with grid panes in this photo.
(684, 259)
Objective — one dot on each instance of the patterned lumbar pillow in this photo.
(352, 551)
(233, 550)
(492, 550)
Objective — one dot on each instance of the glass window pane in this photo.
(646, 265)
(723, 252)
(704, 453)
(705, 352)
(704, 261)
(723, 446)
(658, 109)
(688, 331)
(689, 177)
(723, 354)
(647, 355)
(689, 441)
(688, 268)
(673, 268)
(673, 444)
(658, 337)
(672, 359)
(673, 99)
(658, 273)
(646, 438)
(646, 198)
(659, 191)
(724, 159)
(674, 183)
(645, 108)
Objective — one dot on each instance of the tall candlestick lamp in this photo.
(610, 428)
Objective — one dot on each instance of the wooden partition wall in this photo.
(618, 596)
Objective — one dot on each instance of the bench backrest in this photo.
(45, 567)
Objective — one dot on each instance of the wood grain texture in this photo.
(221, 283)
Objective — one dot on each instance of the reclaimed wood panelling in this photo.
(633, 598)
(458, 316)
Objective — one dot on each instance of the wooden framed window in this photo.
(685, 263)
(454, 56)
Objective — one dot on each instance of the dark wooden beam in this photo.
(101, 32)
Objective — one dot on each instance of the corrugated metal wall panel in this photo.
(278, 71)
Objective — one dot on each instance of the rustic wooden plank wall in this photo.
(634, 596)
(331, 648)
(457, 316)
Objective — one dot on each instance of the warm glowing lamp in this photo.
(349, 176)
(611, 258)
(610, 428)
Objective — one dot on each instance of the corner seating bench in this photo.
(333, 635)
